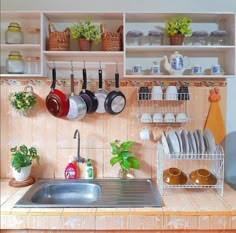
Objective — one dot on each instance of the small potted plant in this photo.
(85, 32)
(177, 28)
(123, 157)
(21, 161)
(23, 101)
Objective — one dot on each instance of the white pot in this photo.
(23, 174)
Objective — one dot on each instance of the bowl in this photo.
(146, 117)
(169, 117)
(174, 176)
(202, 177)
(181, 117)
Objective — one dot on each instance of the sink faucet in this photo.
(79, 159)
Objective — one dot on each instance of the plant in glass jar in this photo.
(85, 32)
(122, 156)
(177, 28)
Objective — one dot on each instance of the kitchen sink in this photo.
(91, 193)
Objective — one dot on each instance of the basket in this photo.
(58, 40)
(113, 41)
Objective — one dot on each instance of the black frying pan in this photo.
(115, 101)
(88, 96)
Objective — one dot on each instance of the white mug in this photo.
(156, 93)
(196, 69)
(216, 69)
(144, 134)
(155, 69)
(146, 117)
(157, 117)
(181, 117)
(169, 117)
(137, 69)
(171, 93)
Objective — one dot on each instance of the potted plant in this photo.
(21, 161)
(123, 157)
(23, 101)
(85, 32)
(177, 28)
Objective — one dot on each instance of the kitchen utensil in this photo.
(77, 105)
(88, 96)
(115, 101)
(101, 94)
(174, 176)
(173, 142)
(144, 134)
(202, 177)
(156, 93)
(56, 101)
(171, 93)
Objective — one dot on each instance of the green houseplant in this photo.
(122, 156)
(177, 28)
(85, 32)
(21, 161)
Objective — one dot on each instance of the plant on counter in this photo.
(22, 101)
(122, 155)
(23, 157)
(178, 27)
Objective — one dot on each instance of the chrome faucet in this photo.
(79, 159)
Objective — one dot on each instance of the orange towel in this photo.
(214, 121)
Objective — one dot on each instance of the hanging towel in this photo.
(214, 121)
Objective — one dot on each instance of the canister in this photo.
(155, 37)
(32, 36)
(218, 37)
(15, 63)
(200, 38)
(32, 65)
(13, 34)
(134, 37)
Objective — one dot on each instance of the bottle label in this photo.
(90, 172)
(70, 173)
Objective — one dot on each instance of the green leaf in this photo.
(125, 154)
(126, 145)
(125, 165)
(114, 148)
(115, 160)
(134, 163)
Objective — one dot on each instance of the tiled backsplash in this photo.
(53, 137)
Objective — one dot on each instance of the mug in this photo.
(171, 93)
(169, 117)
(181, 117)
(144, 93)
(157, 117)
(146, 117)
(144, 134)
(156, 93)
(137, 69)
(196, 69)
(155, 69)
(216, 69)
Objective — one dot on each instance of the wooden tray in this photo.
(18, 184)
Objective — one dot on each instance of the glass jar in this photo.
(134, 38)
(155, 37)
(200, 38)
(15, 63)
(13, 34)
(32, 65)
(218, 37)
(32, 36)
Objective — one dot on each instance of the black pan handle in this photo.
(100, 78)
(117, 84)
(53, 85)
(72, 84)
(84, 87)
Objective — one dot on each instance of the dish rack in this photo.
(189, 162)
(147, 104)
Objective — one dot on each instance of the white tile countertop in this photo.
(182, 209)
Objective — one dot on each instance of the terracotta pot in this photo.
(84, 44)
(176, 39)
(23, 174)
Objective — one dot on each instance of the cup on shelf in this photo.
(171, 93)
(156, 93)
(169, 117)
(216, 69)
(196, 69)
(144, 134)
(181, 117)
(155, 68)
(146, 117)
(143, 93)
(157, 117)
(137, 69)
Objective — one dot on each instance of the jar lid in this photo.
(15, 55)
(155, 33)
(200, 33)
(14, 27)
(219, 33)
(134, 33)
(33, 30)
(31, 58)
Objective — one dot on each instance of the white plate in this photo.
(202, 148)
(178, 133)
(165, 144)
(185, 141)
(196, 140)
(194, 145)
(210, 141)
(173, 142)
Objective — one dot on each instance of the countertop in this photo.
(182, 209)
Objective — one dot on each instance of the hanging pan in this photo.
(88, 96)
(101, 93)
(77, 105)
(56, 101)
(115, 101)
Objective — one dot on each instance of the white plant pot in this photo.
(23, 174)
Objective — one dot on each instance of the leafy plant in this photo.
(85, 29)
(123, 156)
(178, 25)
(22, 101)
(23, 157)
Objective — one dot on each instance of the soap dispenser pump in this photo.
(71, 170)
(89, 169)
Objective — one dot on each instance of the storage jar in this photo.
(32, 65)
(155, 37)
(200, 38)
(218, 37)
(134, 38)
(13, 34)
(32, 36)
(15, 63)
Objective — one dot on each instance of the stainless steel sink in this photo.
(91, 193)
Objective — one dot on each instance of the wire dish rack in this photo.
(187, 163)
(163, 103)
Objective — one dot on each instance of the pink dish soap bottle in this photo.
(71, 170)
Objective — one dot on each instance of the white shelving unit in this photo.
(188, 163)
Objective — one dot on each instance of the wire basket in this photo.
(113, 41)
(58, 40)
